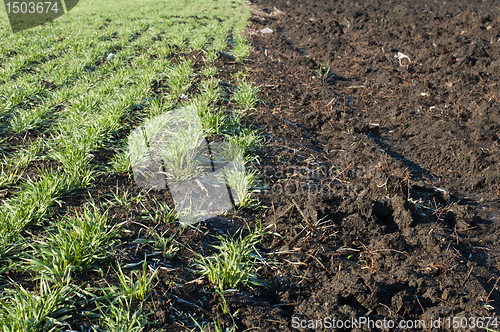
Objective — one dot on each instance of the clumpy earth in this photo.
(382, 162)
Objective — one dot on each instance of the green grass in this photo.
(33, 202)
(13, 164)
(214, 327)
(79, 243)
(246, 96)
(120, 162)
(9, 174)
(24, 120)
(22, 310)
(158, 212)
(179, 77)
(167, 245)
(118, 316)
(174, 137)
(240, 181)
(60, 83)
(138, 285)
(236, 263)
(241, 49)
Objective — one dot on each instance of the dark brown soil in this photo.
(384, 174)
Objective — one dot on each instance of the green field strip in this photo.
(94, 106)
(67, 50)
(63, 69)
(84, 80)
(80, 131)
(15, 93)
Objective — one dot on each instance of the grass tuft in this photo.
(46, 310)
(236, 263)
(78, 244)
(179, 76)
(121, 163)
(246, 96)
(138, 285)
(118, 316)
(166, 245)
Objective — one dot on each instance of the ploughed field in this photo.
(383, 122)
(367, 132)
